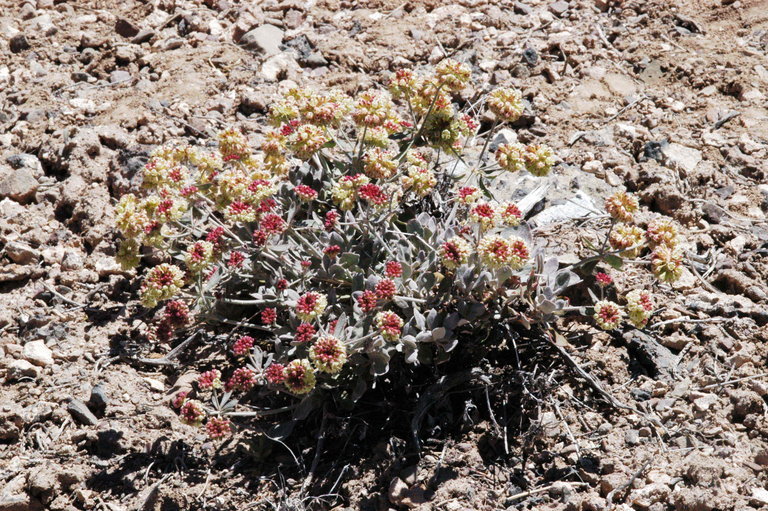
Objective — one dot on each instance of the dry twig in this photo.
(626, 485)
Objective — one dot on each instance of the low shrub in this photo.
(364, 230)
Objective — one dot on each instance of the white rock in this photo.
(686, 282)
(107, 266)
(593, 167)
(762, 73)
(760, 494)
(681, 157)
(273, 66)
(677, 106)
(748, 145)
(703, 403)
(658, 476)
(38, 353)
(648, 495)
(19, 369)
(215, 28)
(752, 94)
(155, 385)
(713, 139)
(580, 205)
(264, 40)
(626, 130)
(86, 105)
(508, 38)
(595, 72)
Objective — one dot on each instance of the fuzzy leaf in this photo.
(438, 333)
(615, 261)
(379, 362)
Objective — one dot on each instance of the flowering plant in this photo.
(363, 229)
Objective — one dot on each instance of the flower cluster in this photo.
(667, 263)
(639, 306)
(538, 159)
(210, 380)
(192, 412)
(243, 379)
(218, 427)
(608, 315)
(310, 306)
(164, 281)
(454, 252)
(621, 206)
(389, 324)
(506, 104)
(299, 376)
(497, 252)
(328, 354)
(243, 345)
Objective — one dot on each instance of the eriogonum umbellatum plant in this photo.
(361, 230)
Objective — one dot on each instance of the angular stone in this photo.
(278, 66)
(558, 8)
(119, 76)
(21, 253)
(264, 40)
(38, 353)
(580, 205)
(17, 184)
(703, 403)
(113, 136)
(98, 400)
(126, 28)
(645, 497)
(677, 156)
(11, 422)
(632, 437)
(18, 503)
(252, 102)
(28, 161)
(143, 36)
(81, 413)
(521, 8)
(18, 369)
(18, 43)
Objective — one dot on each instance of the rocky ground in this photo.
(666, 98)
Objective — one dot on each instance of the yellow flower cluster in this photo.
(622, 206)
(306, 140)
(511, 157)
(506, 104)
(299, 376)
(328, 354)
(667, 263)
(419, 180)
(454, 252)
(608, 315)
(162, 282)
(199, 256)
(344, 191)
(640, 306)
(497, 252)
(373, 109)
(539, 159)
(624, 236)
(379, 164)
(453, 75)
